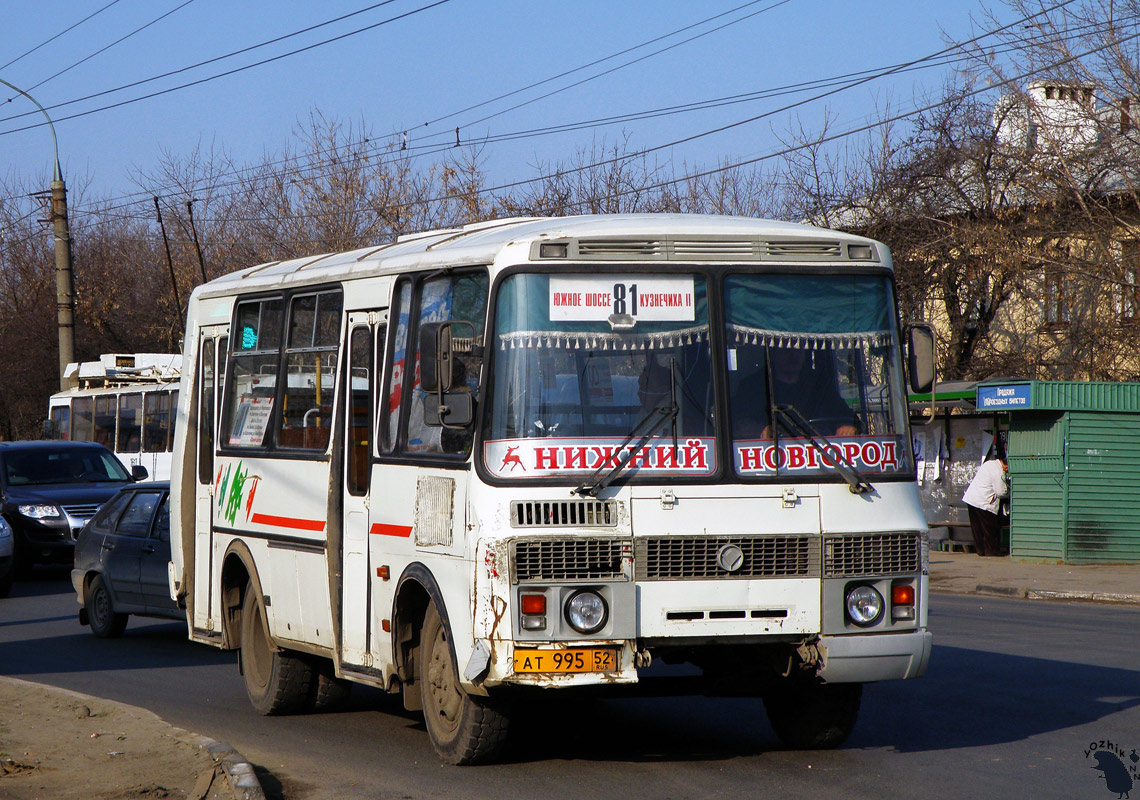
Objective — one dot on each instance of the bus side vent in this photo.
(557, 560)
(801, 250)
(434, 501)
(670, 558)
(871, 554)
(563, 513)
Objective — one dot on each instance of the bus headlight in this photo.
(586, 611)
(864, 605)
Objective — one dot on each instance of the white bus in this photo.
(545, 453)
(123, 401)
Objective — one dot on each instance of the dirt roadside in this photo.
(60, 745)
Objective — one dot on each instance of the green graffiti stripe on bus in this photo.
(233, 496)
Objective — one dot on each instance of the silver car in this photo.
(6, 565)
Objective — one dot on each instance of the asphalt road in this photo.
(1016, 693)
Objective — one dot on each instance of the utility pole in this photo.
(64, 277)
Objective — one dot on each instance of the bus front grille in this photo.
(660, 558)
(871, 554)
(582, 559)
(563, 513)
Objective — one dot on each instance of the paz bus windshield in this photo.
(583, 361)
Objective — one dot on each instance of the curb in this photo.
(240, 775)
(1024, 593)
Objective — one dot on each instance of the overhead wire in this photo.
(645, 151)
(112, 44)
(309, 170)
(213, 60)
(61, 33)
(547, 80)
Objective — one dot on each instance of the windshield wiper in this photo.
(794, 420)
(652, 422)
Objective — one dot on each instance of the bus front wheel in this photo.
(813, 716)
(276, 681)
(463, 729)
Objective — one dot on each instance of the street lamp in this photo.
(64, 282)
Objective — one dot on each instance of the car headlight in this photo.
(586, 611)
(864, 605)
(5, 529)
(39, 511)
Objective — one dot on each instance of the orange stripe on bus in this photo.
(381, 529)
(289, 522)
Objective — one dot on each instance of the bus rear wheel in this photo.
(813, 716)
(277, 681)
(463, 729)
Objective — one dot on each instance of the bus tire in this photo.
(105, 622)
(277, 681)
(463, 729)
(328, 692)
(813, 716)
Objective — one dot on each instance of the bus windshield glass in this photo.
(582, 361)
(813, 375)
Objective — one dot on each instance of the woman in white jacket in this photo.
(983, 497)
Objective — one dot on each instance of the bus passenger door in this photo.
(365, 333)
(211, 366)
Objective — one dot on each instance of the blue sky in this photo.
(442, 59)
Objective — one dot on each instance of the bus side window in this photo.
(251, 383)
(310, 370)
(206, 404)
(461, 297)
(390, 403)
(360, 407)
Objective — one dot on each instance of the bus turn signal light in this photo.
(902, 602)
(902, 595)
(533, 603)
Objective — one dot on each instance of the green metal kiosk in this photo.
(1074, 466)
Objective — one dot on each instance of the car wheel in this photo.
(463, 729)
(277, 681)
(6, 580)
(105, 622)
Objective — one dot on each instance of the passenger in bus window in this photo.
(801, 378)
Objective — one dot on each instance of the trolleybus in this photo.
(123, 401)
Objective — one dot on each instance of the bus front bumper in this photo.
(861, 658)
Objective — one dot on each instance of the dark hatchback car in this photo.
(50, 489)
(120, 560)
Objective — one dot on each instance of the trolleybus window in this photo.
(130, 430)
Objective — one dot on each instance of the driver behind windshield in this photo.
(801, 378)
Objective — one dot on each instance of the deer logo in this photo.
(512, 459)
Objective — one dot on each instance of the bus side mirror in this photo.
(456, 411)
(51, 429)
(920, 358)
(435, 357)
